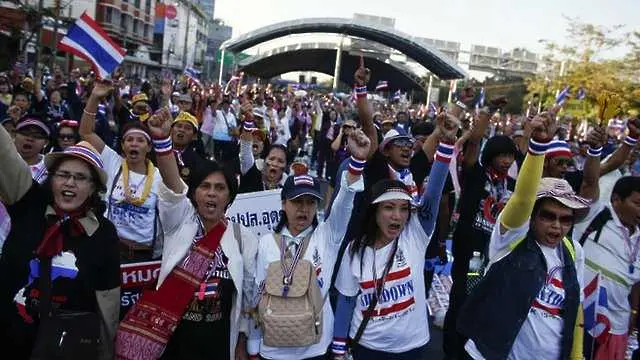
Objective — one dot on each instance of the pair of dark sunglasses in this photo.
(66, 137)
(551, 217)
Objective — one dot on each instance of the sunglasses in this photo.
(551, 217)
(403, 142)
(66, 137)
(562, 161)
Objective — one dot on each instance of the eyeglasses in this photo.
(403, 142)
(66, 137)
(77, 178)
(551, 217)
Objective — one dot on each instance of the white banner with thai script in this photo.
(258, 211)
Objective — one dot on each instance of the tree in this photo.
(584, 65)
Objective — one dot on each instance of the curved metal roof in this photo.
(430, 58)
(320, 57)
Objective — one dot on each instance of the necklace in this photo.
(147, 184)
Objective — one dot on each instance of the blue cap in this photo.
(296, 186)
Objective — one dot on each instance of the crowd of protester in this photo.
(100, 173)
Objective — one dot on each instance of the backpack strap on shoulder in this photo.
(597, 224)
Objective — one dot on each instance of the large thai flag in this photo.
(596, 320)
(192, 75)
(87, 40)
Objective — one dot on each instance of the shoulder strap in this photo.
(596, 225)
(113, 186)
(569, 245)
(374, 299)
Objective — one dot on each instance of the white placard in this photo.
(258, 211)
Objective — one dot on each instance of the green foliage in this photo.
(587, 63)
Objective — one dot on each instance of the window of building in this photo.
(108, 15)
(136, 3)
(146, 31)
(147, 6)
(135, 26)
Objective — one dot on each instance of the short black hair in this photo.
(423, 128)
(625, 186)
(205, 168)
(496, 146)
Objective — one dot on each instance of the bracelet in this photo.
(444, 152)
(163, 146)
(356, 166)
(339, 346)
(361, 91)
(89, 113)
(594, 152)
(631, 141)
(249, 126)
(536, 148)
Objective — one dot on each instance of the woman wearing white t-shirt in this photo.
(299, 224)
(382, 301)
(132, 185)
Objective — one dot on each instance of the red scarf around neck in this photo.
(53, 238)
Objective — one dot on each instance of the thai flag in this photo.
(480, 102)
(433, 108)
(382, 85)
(302, 180)
(397, 95)
(582, 94)
(192, 74)
(596, 321)
(87, 40)
(562, 95)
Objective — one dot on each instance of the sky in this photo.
(502, 23)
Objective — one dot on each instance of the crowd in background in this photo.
(147, 169)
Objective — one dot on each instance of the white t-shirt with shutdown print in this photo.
(135, 223)
(541, 333)
(399, 322)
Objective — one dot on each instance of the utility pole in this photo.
(38, 37)
(186, 35)
(56, 18)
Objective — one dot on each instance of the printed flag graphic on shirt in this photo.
(596, 321)
(86, 39)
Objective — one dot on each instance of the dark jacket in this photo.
(495, 311)
(97, 261)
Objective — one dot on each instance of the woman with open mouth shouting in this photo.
(207, 273)
(59, 268)
(300, 243)
(259, 174)
(381, 304)
(132, 185)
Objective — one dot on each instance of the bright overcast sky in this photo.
(499, 23)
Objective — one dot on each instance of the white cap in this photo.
(476, 253)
